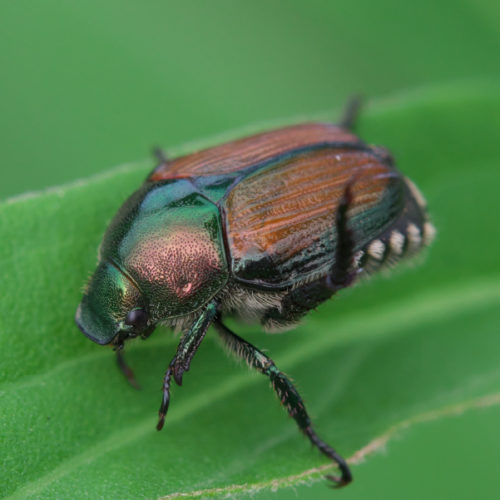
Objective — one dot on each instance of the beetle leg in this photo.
(191, 341)
(160, 156)
(343, 274)
(301, 299)
(287, 394)
(125, 369)
(351, 112)
(166, 395)
(186, 349)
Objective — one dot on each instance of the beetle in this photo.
(266, 228)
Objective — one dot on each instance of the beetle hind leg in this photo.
(343, 273)
(160, 155)
(287, 394)
(300, 300)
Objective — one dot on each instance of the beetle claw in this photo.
(338, 482)
(345, 477)
(178, 373)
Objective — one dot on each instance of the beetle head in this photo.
(112, 308)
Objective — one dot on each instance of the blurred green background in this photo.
(86, 86)
(89, 85)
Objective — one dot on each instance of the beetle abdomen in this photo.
(403, 238)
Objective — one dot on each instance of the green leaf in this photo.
(387, 354)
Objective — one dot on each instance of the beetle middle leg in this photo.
(287, 394)
(351, 112)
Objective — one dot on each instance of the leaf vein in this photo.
(375, 445)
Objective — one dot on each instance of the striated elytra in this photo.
(264, 228)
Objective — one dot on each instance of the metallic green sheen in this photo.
(166, 244)
(107, 300)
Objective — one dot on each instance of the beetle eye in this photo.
(137, 318)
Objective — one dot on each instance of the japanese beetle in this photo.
(266, 227)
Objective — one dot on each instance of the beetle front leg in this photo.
(287, 394)
(166, 395)
(186, 349)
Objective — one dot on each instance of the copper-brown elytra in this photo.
(264, 228)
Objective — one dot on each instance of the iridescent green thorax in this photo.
(168, 239)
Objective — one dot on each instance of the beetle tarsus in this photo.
(351, 112)
(166, 395)
(125, 369)
(161, 422)
(346, 476)
(171, 370)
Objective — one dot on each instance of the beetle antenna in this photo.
(351, 112)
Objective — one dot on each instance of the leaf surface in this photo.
(388, 352)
